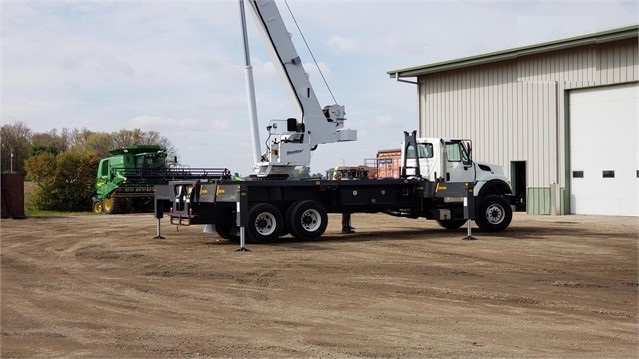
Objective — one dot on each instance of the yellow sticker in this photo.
(440, 188)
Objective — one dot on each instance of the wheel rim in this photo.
(265, 224)
(495, 214)
(97, 207)
(108, 202)
(311, 220)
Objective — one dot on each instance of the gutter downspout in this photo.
(419, 103)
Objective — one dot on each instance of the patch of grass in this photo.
(29, 212)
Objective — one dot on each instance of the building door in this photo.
(518, 182)
(603, 150)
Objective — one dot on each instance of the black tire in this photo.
(451, 224)
(494, 214)
(226, 229)
(111, 205)
(287, 215)
(265, 223)
(307, 220)
(127, 205)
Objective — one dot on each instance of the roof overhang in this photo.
(618, 34)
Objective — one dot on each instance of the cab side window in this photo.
(455, 152)
(425, 150)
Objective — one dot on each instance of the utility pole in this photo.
(11, 163)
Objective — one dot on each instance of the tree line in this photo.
(63, 163)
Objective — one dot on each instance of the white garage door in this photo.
(604, 155)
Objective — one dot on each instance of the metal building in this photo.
(561, 117)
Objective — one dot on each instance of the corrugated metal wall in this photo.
(514, 110)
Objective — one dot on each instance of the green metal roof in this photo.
(622, 33)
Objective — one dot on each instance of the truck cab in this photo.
(443, 160)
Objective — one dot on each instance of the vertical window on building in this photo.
(608, 174)
(577, 174)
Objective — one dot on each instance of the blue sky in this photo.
(177, 67)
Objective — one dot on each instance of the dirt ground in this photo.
(101, 286)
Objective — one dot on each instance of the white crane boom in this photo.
(292, 146)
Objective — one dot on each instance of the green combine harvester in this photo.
(125, 181)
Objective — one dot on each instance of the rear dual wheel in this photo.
(307, 220)
(265, 223)
(227, 228)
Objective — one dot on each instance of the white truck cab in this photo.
(444, 160)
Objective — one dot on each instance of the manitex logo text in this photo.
(294, 152)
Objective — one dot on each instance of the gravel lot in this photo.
(101, 286)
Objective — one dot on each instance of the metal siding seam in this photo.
(525, 128)
(428, 127)
(467, 104)
(480, 105)
(500, 120)
(547, 67)
(531, 130)
(450, 98)
(502, 102)
(610, 62)
(547, 137)
(486, 116)
(625, 64)
(609, 67)
(617, 64)
(539, 129)
(451, 106)
(579, 66)
(427, 103)
(590, 64)
(459, 125)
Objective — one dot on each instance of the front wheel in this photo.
(265, 223)
(494, 214)
(97, 206)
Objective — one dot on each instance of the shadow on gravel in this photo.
(513, 233)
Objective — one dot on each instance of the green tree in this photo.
(301, 172)
(98, 142)
(15, 140)
(124, 138)
(51, 141)
(64, 181)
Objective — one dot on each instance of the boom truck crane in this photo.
(439, 179)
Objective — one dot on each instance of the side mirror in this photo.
(468, 146)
